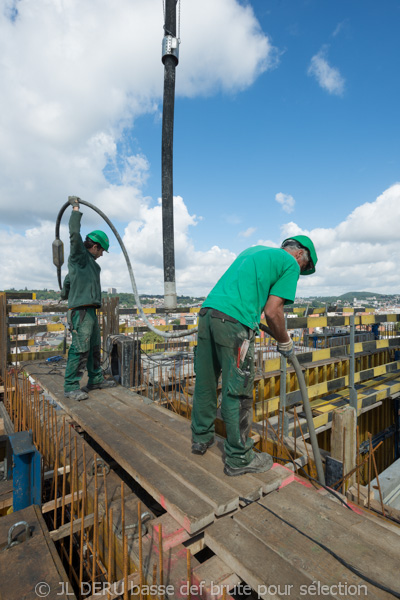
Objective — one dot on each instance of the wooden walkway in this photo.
(154, 446)
(269, 530)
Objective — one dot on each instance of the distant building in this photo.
(111, 290)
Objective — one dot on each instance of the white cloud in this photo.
(286, 201)
(361, 253)
(329, 78)
(27, 261)
(350, 258)
(74, 82)
(75, 79)
(248, 232)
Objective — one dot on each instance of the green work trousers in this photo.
(84, 350)
(219, 341)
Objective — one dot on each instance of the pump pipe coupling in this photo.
(170, 47)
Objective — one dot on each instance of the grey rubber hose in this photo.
(165, 334)
(307, 409)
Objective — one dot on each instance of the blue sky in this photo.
(286, 121)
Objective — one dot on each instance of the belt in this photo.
(217, 314)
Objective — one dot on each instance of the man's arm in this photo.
(275, 317)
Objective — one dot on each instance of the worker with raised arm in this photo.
(82, 288)
(261, 279)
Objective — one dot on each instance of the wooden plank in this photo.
(344, 441)
(258, 566)
(6, 494)
(65, 530)
(209, 488)
(185, 506)
(34, 561)
(210, 465)
(213, 576)
(329, 523)
(299, 552)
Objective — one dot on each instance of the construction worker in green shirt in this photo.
(261, 279)
(82, 288)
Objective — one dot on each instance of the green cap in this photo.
(99, 237)
(306, 243)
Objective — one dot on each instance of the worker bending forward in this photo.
(260, 279)
(82, 288)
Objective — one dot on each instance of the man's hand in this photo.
(286, 349)
(74, 202)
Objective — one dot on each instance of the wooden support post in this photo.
(343, 440)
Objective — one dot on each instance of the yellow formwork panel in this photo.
(26, 308)
(320, 420)
(317, 322)
(368, 319)
(55, 327)
(325, 408)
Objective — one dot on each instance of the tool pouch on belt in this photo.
(240, 382)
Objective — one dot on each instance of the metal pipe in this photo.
(170, 62)
(352, 389)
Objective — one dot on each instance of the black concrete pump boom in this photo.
(170, 57)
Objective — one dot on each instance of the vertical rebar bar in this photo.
(110, 546)
(140, 550)
(82, 541)
(189, 573)
(369, 467)
(71, 535)
(96, 521)
(161, 559)
(125, 565)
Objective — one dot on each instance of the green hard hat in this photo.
(99, 237)
(306, 243)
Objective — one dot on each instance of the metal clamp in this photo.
(132, 531)
(10, 541)
(100, 464)
(170, 47)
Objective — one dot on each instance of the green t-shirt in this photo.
(256, 274)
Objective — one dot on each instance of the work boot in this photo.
(105, 384)
(76, 395)
(260, 463)
(201, 447)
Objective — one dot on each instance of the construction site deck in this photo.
(126, 510)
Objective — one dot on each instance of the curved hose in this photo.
(307, 409)
(166, 334)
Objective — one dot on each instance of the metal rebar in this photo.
(140, 549)
(71, 535)
(95, 525)
(125, 566)
(161, 558)
(76, 475)
(55, 484)
(189, 573)
(379, 487)
(82, 542)
(110, 547)
(369, 467)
